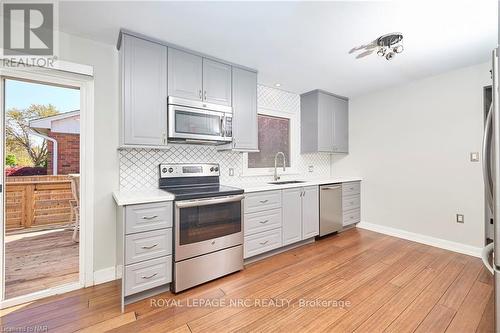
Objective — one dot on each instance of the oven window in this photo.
(197, 123)
(208, 222)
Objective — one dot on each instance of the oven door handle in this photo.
(206, 202)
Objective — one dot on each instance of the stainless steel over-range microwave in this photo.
(198, 122)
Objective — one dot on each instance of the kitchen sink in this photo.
(287, 182)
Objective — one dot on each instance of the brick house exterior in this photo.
(68, 154)
(64, 128)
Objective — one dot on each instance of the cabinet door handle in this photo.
(263, 222)
(205, 95)
(149, 247)
(150, 276)
(264, 243)
(264, 201)
(199, 93)
(150, 217)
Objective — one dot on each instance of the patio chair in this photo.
(75, 204)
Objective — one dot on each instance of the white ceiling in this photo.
(305, 45)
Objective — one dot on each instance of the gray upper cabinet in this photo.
(216, 82)
(144, 92)
(185, 73)
(324, 122)
(245, 131)
(341, 126)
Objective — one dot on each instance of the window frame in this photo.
(294, 136)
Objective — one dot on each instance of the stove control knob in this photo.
(212, 169)
(216, 169)
(164, 170)
(170, 170)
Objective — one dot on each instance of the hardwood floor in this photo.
(358, 281)
(39, 260)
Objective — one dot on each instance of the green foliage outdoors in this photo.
(10, 160)
(20, 142)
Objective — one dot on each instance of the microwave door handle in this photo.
(223, 125)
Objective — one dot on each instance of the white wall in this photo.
(104, 59)
(411, 145)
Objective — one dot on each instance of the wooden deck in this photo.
(387, 284)
(39, 260)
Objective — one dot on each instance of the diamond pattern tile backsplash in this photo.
(139, 167)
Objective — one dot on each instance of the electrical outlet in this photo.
(311, 168)
(231, 171)
(460, 218)
(474, 157)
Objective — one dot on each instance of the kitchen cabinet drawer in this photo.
(148, 274)
(350, 202)
(350, 188)
(148, 245)
(262, 242)
(146, 217)
(350, 217)
(257, 202)
(262, 221)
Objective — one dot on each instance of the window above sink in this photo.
(278, 131)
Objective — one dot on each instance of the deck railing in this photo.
(37, 201)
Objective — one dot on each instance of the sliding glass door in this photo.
(40, 154)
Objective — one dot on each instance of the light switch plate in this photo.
(311, 168)
(231, 171)
(460, 218)
(474, 157)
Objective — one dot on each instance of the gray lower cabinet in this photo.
(185, 74)
(324, 122)
(245, 126)
(216, 82)
(143, 93)
(144, 235)
(300, 214)
(310, 212)
(262, 222)
(351, 203)
(292, 215)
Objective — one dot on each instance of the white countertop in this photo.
(258, 187)
(132, 197)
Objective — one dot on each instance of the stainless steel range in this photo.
(208, 229)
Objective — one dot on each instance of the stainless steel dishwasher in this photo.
(330, 208)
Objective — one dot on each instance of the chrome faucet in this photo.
(276, 177)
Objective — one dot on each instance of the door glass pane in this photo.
(209, 222)
(42, 192)
(197, 123)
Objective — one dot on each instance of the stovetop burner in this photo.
(194, 181)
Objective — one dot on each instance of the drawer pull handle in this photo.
(149, 277)
(265, 221)
(149, 247)
(150, 217)
(264, 201)
(264, 243)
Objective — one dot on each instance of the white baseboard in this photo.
(105, 275)
(419, 238)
